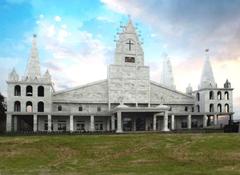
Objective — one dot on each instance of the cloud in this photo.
(75, 56)
(187, 28)
(57, 18)
(190, 23)
(105, 19)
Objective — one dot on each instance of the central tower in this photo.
(128, 78)
(128, 48)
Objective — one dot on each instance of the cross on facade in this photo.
(130, 44)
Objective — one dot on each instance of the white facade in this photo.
(126, 101)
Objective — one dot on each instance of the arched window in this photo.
(29, 91)
(29, 107)
(80, 108)
(211, 108)
(226, 108)
(198, 108)
(40, 106)
(219, 95)
(198, 97)
(59, 108)
(211, 95)
(219, 108)
(226, 95)
(17, 90)
(17, 106)
(40, 91)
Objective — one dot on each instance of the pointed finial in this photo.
(129, 17)
(33, 66)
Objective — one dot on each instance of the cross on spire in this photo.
(130, 44)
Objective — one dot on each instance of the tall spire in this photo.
(207, 79)
(33, 67)
(167, 74)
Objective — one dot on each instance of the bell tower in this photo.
(128, 47)
(128, 78)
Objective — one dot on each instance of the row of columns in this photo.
(119, 122)
(165, 121)
(49, 119)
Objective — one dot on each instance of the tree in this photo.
(2, 113)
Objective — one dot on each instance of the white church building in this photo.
(126, 101)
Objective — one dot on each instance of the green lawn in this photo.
(173, 154)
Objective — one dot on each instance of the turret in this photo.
(189, 90)
(33, 66)
(227, 84)
(207, 79)
(167, 74)
(47, 76)
(13, 76)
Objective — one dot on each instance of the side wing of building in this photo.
(179, 102)
(90, 98)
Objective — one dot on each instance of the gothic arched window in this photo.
(40, 106)
(29, 107)
(198, 108)
(17, 106)
(226, 108)
(59, 108)
(17, 90)
(211, 108)
(219, 95)
(40, 91)
(226, 95)
(29, 91)
(198, 96)
(219, 108)
(211, 95)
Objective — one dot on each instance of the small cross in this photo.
(129, 44)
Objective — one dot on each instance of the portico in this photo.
(140, 118)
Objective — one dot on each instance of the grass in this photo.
(134, 154)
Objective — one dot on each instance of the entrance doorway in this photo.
(140, 123)
(25, 123)
(127, 124)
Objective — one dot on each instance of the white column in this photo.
(119, 122)
(154, 122)
(108, 124)
(146, 123)
(49, 123)
(71, 123)
(215, 120)
(134, 123)
(165, 121)
(92, 127)
(35, 123)
(113, 122)
(173, 122)
(205, 118)
(9, 123)
(189, 121)
(15, 123)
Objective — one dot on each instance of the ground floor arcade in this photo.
(119, 121)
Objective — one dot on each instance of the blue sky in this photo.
(75, 38)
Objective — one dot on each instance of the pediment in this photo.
(95, 92)
(163, 95)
